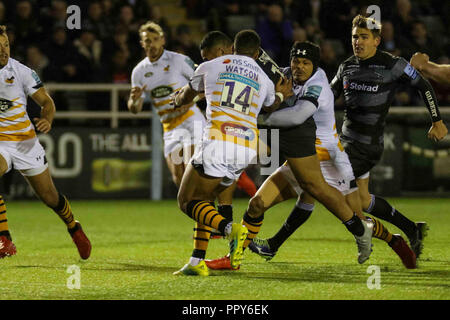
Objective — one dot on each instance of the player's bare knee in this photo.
(255, 207)
(315, 189)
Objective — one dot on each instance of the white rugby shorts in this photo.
(188, 133)
(223, 159)
(337, 171)
(26, 156)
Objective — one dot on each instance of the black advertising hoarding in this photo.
(91, 163)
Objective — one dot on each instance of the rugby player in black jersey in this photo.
(368, 80)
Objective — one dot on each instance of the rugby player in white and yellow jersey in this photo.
(236, 89)
(160, 74)
(20, 148)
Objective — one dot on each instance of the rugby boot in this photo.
(200, 269)
(399, 245)
(261, 247)
(223, 263)
(81, 241)
(416, 241)
(236, 239)
(364, 242)
(7, 247)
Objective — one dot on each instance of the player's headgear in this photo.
(306, 50)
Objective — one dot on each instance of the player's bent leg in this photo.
(194, 186)
(44, 188)
(3, 166)
(7, 247)
(380, 208)
(224, 207)
(176, 169)
(273, 191)
(363, 191)
(308, 174)
(353, 200)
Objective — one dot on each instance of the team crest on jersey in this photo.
(166, 69)
(148, 74)
(161, 91)
(10, 80)
(346, 84)
(236, 130)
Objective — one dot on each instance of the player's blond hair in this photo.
(151, 26)
(367, 23)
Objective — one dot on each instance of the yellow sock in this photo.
(4, 229)
(65, 212)
(201, 237)
(205, 213)
(380, 231)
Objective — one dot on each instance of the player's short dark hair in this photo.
(247, 42)
(367, 23)
(2, 30)
(214, 38)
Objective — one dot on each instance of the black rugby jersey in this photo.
(369, 87)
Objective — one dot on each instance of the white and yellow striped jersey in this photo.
(163, 77)
(235, 88)
(17, 82)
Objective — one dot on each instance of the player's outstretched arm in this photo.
(135, 102)
(43, 99)
(437, 72)
(438, 129)
(184, 96)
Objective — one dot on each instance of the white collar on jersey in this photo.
(164, 56)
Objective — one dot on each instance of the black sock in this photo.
(355, 226)
(380, 208)
(197, 253)
(226, 210)
(6, 234)
(300, 213)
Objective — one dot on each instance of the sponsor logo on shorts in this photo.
(236, 130)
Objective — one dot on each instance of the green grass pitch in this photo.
(137, 245)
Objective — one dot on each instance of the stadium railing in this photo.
(114, 115)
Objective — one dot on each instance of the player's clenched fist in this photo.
(284, 86)
(418, 60)
(437, 131)
(136, 92)
(42, 125)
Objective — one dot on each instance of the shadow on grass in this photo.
(293, 272)
(121, 267)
